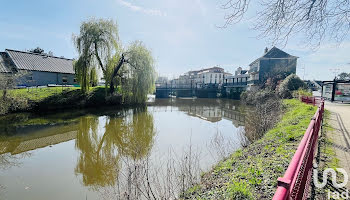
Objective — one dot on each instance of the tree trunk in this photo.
(99, 60)
(115, 72)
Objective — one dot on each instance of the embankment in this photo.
(251, 173)
(49, 99)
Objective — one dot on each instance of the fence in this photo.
(296, 181)
(311, 100)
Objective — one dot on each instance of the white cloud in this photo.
(147, 11)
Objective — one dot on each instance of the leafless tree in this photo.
(278, 20)
(156, 178)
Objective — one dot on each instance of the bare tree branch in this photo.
(278, 20)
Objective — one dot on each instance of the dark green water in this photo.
(87, 154)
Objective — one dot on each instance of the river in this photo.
(109, 153)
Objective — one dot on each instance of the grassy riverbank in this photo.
(38, 94)
(251, 173)
(46, 99)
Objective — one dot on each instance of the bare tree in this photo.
(278, 20)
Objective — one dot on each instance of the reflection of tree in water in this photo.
(7, 160)
(99, 161)
(133, 134)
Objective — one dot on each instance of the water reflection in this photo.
(98, 162)
(212, 110)
(110, 147)
(20, 143)
(102, 148)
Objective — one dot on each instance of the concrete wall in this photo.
(38, 78)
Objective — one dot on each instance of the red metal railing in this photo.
(296, 181)
(310, 100)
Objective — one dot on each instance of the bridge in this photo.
(187, 90)
(166, 90)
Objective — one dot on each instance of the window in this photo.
(219, 75)
(64, 79)
(29, 78)
(75, 80)
(211, 75)
(216, 75)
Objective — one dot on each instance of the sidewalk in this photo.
(340, 121)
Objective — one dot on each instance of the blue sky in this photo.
(182, 34)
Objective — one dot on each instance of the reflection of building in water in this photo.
(212, 110)
(45, 137)
(209, 113)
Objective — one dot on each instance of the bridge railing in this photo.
(296, 181)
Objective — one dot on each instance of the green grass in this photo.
(239, 190)
(251, 173)
(37, 94)
(54, 98)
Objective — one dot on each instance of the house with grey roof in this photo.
(273, 63)
(38, 69)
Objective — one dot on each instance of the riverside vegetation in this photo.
(274, 129)
(252, 172)
(128, 73)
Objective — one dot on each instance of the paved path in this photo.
(340, 121)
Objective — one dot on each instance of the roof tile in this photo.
(40, 62)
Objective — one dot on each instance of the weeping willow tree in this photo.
(93, 77)
(130, 73)
(140, 73)
(96, 43)
(82, 70)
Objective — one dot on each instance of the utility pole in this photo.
(334, 85)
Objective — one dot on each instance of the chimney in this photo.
(266, 50)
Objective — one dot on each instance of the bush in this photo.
(290, 84)
(12, 104)
(257, 97)
(301, 92)
(265, 109)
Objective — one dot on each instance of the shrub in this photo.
(12, 104)
(266, 107)
(255, 97)
(301, 92)
(290, 84)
